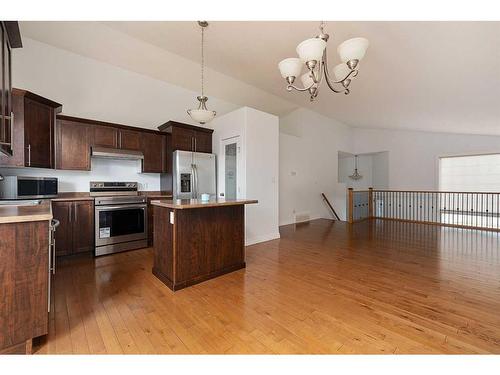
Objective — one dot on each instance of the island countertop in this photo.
(182, 204)
(19, 214)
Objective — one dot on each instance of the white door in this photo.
(230, 165)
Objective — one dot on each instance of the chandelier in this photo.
(355, 176)
(202, 115)
(312, 53)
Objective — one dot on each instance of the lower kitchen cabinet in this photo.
(151, 221)
(24, 295)
(75, 233)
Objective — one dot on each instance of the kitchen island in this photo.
(196, 241)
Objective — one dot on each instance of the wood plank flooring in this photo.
(324, 287)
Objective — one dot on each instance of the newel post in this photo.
(350, 205)
(370, 203)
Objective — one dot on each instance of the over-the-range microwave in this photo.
(20, 187)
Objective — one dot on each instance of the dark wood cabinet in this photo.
(33, 128)
(73, 145)
(182, 139)
(24, 277)
(62, 211)
(105, 136)
(154, 147)
(187, 137)
(151, 222)
(203, 142)
(38, 134)
(75, 233)
(83, 226)
(9, 38)
(130, 140)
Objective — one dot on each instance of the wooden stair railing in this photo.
(331, 207)
(474, 210)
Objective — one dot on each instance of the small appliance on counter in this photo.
(194, 175)
(120, 217)
(22, 187)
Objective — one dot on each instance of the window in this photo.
(476, 173)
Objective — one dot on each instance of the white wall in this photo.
(380, 170)
(413, 157)
(102, 170)
(309, 145)
(258, 174)
(92, 89)
(262, 175)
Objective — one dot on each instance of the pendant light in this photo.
(355, 175)
(202, 115)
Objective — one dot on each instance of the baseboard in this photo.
(263, 238)
(297, 222)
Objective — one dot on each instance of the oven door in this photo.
(121, 223)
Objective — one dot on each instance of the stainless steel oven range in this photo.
(120, 217)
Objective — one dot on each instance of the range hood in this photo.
(116, 153)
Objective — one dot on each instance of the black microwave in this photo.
(17, 187)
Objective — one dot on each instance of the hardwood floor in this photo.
(324, 287)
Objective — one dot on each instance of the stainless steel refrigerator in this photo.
(194, 174)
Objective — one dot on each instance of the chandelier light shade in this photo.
(341, 70)
(202, 115)
(290, 67)
(313, 56)
(306, 79)
(311, 49)
(353, 49)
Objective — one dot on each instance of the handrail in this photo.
(475, 210)
(329, 205)
(434, 191)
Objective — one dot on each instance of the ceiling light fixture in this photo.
(202, 115)
(312, 53)
(355, 175)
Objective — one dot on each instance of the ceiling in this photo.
(432, 76)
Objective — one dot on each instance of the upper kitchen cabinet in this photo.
(154, 147)
(130, 140)
(9, 38)
(33, 130)
(73, 145)
(187, 137)
(105, 136)
(78, 139)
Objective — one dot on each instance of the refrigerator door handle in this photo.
(196, 180)
(194, 192)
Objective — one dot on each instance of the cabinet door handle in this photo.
(195, 144)
(12, 128)
(70, 217)
(29, 155)
(75, 212)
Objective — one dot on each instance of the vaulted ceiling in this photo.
(433, 76)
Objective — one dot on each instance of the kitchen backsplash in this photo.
(102, 170)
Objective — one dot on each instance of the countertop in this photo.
(182, 204)
(20, 214)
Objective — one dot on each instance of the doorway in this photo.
(230, 168)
